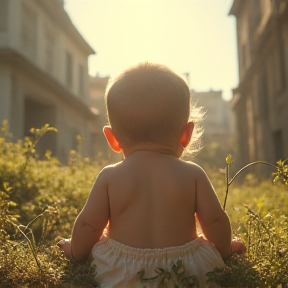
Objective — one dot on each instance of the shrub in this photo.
(47, 197)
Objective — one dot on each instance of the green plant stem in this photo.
(249, 237)
(29, 154)
(261, 222)
(250, 164)
(32, 221)
(29, 244)
(228, 183)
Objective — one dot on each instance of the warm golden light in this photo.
(195, 37)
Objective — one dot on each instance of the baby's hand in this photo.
(65, 245)
(237, 247)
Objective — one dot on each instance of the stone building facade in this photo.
(219, 130)
(260, 101)
(97, 87)
(218, 119)
(44, 75)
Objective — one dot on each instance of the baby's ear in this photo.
(111, 139)
(187, 134)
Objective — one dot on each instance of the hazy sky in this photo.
(192, 36)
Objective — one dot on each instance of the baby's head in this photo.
(148, 103)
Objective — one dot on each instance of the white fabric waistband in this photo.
(140, 253)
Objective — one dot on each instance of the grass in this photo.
(40, 199)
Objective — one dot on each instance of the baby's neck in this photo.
(151, 147)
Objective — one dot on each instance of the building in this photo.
(44, 75)
(218, 134)
(260, 101)
(97, 87)
(218, 119)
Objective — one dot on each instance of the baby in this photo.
(151, 199)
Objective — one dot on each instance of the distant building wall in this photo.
(97, 86)
(218, 120)
(260, 101)
(44, 75)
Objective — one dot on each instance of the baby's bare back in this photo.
(152, 201)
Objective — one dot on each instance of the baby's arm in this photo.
(212, 218)
(92, 220)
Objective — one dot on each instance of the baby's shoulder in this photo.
(194, 169)
(108, 171)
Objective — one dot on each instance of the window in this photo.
(250, 127)
(69, 67)
(283, 62)
(278, 144)
(29, 31)
(244, 57)
(74, 140)
(3, 15)
(264, 97)
(243, 50)
(276, 70)
(244, 44)
(81, 81)
(50, 52)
